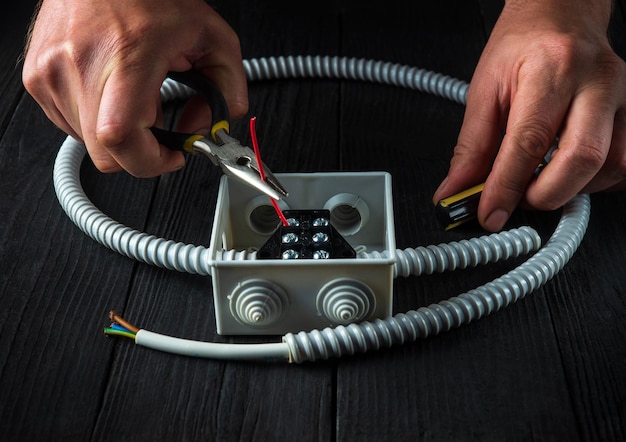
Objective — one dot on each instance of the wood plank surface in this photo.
(550, 367)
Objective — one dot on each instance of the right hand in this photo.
(96, 67)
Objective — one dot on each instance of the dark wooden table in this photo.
(550, 367)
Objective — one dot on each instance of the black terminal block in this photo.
(309, 235)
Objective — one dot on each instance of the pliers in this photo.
(235, 159)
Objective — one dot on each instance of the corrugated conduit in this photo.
(341, 340)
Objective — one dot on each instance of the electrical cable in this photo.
(341, 340)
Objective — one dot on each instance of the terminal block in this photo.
(270, 279)
(309, 235)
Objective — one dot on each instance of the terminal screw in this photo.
(293, 222)
(290, 238)
(320, 222)
(321, 254)
(290, 254)
(320, 237)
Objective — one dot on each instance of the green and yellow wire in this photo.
(120, 327)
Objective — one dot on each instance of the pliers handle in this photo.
(235, 159)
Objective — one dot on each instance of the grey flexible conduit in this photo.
(112, 234)
(463, 254)
(401, 328)
(456, 311)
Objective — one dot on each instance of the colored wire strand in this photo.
(257, 153)
(120, 327)
(121, 321)
(112, 331)
(169, 344)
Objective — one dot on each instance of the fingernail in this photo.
(496, 220)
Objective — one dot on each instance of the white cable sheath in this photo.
(186, 347)
(341, 340)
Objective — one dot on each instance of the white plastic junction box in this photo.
(278, 296)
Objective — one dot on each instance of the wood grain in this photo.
(550, 367)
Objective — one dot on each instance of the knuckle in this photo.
(88, 56)
(556, 56)
(590, 156)
(112, 136)
(510, 188)
(569, 53)
(39, 72)
(238, 108)
(545, 199)
(564, 55)
(29, 80)
(461, 151)
(562, 49)
(565, 49)
(587, 158)
(232, 39)
(533, 140)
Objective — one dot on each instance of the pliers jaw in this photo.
(239, 162)
(236, 160)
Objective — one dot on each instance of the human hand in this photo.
(96, 68)
(547, 70)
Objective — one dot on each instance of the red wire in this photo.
(257, 154)
(279, 212)
(255, 146)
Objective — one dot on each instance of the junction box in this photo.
(275, 296)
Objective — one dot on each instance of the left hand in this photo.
(547, 70)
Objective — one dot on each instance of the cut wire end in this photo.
(120, 327)
(257, 153)
(114, 331)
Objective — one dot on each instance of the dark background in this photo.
(550, 367)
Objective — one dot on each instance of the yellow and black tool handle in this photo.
(459, 208)
(463, 206)
(219, 110)
(175, 140)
